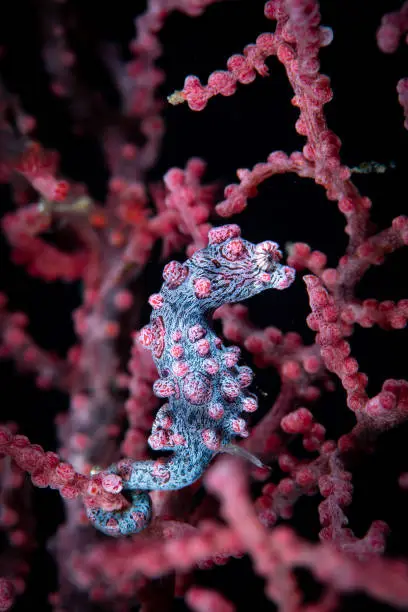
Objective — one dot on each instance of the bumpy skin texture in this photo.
(204, 387)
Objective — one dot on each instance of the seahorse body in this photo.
(200, 377)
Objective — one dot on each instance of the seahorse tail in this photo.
(127, 521)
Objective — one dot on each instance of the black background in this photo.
(230, 133)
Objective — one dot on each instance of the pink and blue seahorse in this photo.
(205, 388)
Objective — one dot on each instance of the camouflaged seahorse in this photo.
(200, 378)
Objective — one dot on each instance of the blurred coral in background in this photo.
(108, 172)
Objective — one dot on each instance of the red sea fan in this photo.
(313, 500)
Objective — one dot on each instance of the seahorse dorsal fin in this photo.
(232, 449)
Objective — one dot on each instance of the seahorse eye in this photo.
(216, 263)
(267, 255)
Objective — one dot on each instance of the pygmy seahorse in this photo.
(200, 377)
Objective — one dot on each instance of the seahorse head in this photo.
(231, 269)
